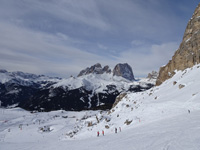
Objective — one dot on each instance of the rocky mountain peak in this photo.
(95, 69)
(188, 53)
(123, 70)
(153, 75)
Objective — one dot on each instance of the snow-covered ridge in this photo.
(89, 81)
(100, 81)
(6, 76)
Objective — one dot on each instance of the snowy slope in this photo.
(162, 118)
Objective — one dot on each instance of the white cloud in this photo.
(137, 42)
(102, 47)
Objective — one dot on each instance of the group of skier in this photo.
(116, 129)
(98, 133)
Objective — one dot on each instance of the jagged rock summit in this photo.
(152, 75)
(122, 70)
(188, 53)
(95, 69)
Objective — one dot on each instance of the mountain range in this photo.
(94, 88)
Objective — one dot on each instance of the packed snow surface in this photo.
(166, 117)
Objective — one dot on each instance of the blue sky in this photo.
(62, 37)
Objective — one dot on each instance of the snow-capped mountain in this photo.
(16, 87)
(94, 88)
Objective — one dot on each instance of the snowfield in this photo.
(166, 117)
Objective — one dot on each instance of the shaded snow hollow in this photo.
(165, 117)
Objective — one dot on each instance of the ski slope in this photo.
(166, 117)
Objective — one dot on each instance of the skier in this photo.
(115, 130)
(102, 132)
(97, 133)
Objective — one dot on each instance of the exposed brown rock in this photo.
(174, 83)
(127, 122)
(107, 127)
(188, 53)
(153, 75)
(118, 99)
(181, 86)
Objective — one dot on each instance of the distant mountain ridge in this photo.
(122, 70)
(95, 69)
(96, 88)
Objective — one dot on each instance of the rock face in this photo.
(188, 53)
(118, 99)
(153, 75)
(123, 70)
(96, 69)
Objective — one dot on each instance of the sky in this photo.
(62, 37)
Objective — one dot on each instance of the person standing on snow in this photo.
(102, 132)
(97, 133)
(119, 129)
(115, 130)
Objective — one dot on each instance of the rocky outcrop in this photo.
(152, 75)
(188, 53)
(123, 70)
(95, 69)
(118, 99)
